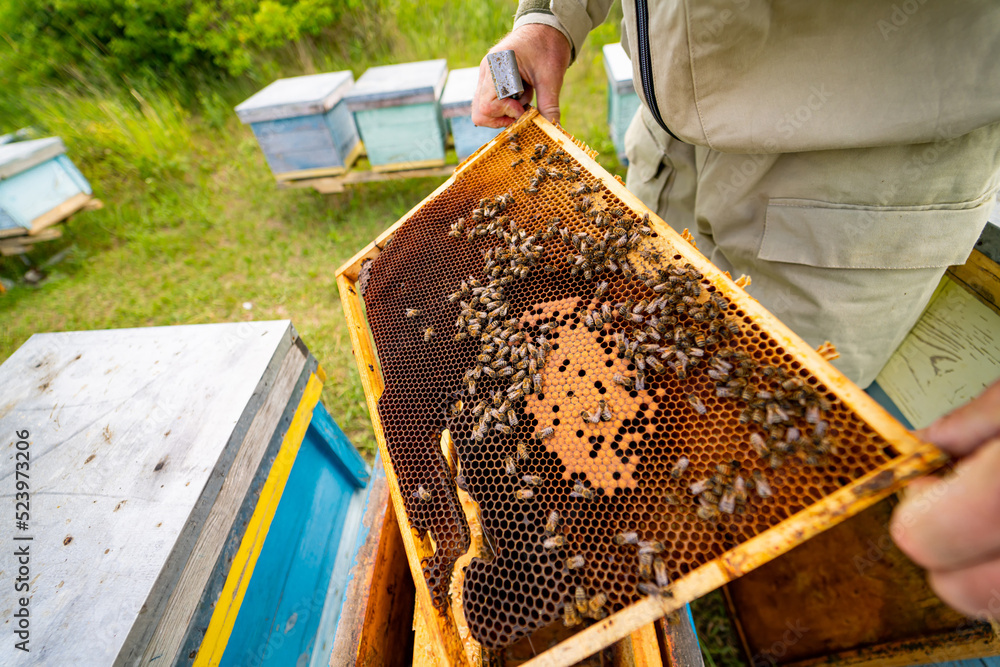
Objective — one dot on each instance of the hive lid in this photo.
(296, 96)
(395, 85)
(456, 100)
(618, 67)
(23, 155)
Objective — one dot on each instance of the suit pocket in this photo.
(853, 236)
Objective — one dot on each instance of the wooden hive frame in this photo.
(448, 635)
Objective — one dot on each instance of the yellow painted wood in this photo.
(980, 275)
(401, 166)
(443, 633)
(228, 606)
(916, 458)
(949, 357)
(646, 647)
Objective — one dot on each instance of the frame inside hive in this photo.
(449, 632)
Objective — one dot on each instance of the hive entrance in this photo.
(714, 403)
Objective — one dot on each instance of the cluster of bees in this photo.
(726, 491)
(681, 329)
(506, 351)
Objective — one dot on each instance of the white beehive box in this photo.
(303, 125)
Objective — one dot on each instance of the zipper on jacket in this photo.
(646, 63)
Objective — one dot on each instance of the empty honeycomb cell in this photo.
(670, 370)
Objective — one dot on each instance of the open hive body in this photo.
(621, 474)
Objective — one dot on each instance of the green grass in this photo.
(194, 225)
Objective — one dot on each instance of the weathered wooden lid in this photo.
(395, 85)
(23, 155)
(456, 100)
(138, 428)
(296, 96)
(618, 67)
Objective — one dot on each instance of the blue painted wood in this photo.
(875, 391)
(316, 141)
(284, 601)
(456, 107)
(408, 133)
(468, 137)
(343, 451)
(622, 98)
(39, 189)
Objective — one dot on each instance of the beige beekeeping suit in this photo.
(843, 154)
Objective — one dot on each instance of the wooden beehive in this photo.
(456, 107)
(411, 386)
(303, 126)
(39, 185)
(622, 98)
(191, 501)
(398, 112)
(850, 597)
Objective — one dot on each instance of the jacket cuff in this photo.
(530, 11)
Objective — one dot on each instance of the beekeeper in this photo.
(842, 154)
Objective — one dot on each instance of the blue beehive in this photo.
(456, 107)
(622, 98)
(398, 112)
(35, 178)
(303, 125)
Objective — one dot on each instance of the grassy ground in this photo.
(195, 230)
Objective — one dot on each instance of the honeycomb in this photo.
(607, 457)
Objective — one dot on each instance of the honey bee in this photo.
(510, 467)
(660, 572)
(515, 147)
(524, 494)
(605, 412)
(545, 433)
(647, 588)
(591, 418)
(571, 617)
(581, 491)
(413, 312)
(428, 334)
(601, 290)
(596, 604)
(761, 485)
(671, 498)
(701, 486)
(630, 537)
(650, 546)
(697, 404)
(522, 450)
(553, 522)
(679, 467)
(759, 445)
(626, 382)
(532, 480)
(645, 566)
(707, 513)
(554, 542)
(575, 562)
(580, 598)
(422, 493)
